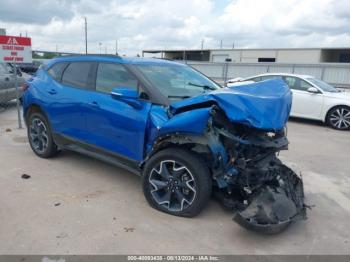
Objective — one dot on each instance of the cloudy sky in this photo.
(153, 24)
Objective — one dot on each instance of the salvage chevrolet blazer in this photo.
(185, 135)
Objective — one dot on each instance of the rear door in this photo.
(305, 104)
(68, 95)
(112, 124)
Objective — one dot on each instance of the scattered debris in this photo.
(25, 176)
(129, 229)
(62, 235)
(114, 218)
(8, 130)
(57, 204)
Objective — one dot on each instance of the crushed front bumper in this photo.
(271, 206)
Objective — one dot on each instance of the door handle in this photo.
(52, 91)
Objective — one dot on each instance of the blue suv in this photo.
(184, 134)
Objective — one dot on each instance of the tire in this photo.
(339, 118)
(177, 182)
(40, 136)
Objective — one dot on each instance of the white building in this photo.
(273, 55)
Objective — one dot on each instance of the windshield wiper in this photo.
(205, 87)
(183, 97)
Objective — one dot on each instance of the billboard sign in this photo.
(14, 49)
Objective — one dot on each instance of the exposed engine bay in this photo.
(265, 194)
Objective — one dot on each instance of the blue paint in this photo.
(129, 126)
(264, 105)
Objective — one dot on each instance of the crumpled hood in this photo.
(263, 105)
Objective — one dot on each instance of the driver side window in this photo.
(295, 83)
(111, 75)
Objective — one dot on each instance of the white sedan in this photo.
(312, 98)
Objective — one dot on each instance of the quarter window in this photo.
(111, 75)
(77, 75)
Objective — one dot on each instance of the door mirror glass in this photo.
(313, 90)
(126, 94)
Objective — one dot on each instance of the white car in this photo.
(312, 98)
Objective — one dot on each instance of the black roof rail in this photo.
(102, 55)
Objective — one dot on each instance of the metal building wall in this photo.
(337, 74)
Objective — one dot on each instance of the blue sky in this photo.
(154, 24)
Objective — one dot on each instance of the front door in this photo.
(115, 125)
(305, 104)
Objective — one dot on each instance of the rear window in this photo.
(56, 71)
(77, 75)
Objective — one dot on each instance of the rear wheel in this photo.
(339, 118)
(177, 182)
(40, 137)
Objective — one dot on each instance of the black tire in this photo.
(339, 118)
(50, 148)
(191, 173)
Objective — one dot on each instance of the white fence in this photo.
(336, 74)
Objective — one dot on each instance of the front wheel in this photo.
(339, 118)
(177, 182)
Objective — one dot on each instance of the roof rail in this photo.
(102, 55)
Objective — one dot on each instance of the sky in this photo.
(176, 24)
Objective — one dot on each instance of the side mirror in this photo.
(127, 95)
(313, 90)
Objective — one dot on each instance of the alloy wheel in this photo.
(340, 118)
(38, 135)
(173, 185)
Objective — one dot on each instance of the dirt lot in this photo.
(73, 204)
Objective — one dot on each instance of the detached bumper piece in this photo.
(275, 204)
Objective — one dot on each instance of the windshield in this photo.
(177, 82)
(323, 85)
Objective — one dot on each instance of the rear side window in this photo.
(268, 77)
(111, 75)
(255, 79)
(2, 69)
(77, 75)
(56, 71)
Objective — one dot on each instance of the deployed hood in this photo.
(263, 105)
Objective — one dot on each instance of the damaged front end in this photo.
(265, 194)
(239, 132)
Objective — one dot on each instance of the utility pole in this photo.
(85, 34)
(202, 44)
(116, 47)
(100, 44)
(221, 44)
(233, 45)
